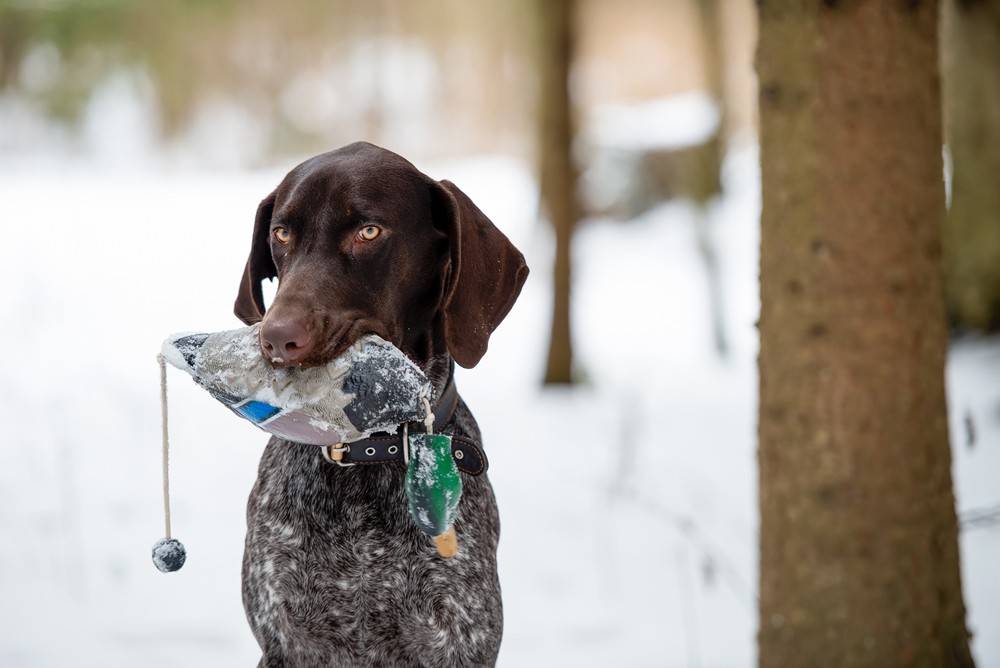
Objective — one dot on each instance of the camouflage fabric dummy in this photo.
(371, 387)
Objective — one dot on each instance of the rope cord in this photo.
(166, 442)
(429, 415)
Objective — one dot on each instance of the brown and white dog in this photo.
(335, 572)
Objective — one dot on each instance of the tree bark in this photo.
(858, 536)
(558, 171)
(971, 65)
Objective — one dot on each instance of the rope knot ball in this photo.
(169, 555)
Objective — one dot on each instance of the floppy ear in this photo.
(485, 275)
(250, 300)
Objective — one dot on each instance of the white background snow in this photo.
(628, 505)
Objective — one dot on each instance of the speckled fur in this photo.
(336, 573)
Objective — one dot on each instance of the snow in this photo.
(628, 506)
(676, 121)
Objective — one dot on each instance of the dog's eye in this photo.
(282, 235)
(368, 232)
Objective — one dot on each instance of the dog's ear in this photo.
(484, 278)
(250, 299)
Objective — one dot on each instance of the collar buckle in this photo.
(335, 453)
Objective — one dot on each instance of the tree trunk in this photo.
(707, 173)
(971, 64)
(859, 541)
(558, 171)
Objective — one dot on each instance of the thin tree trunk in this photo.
(859, 539)
(971, 64)
(707, 172)
(558, 171)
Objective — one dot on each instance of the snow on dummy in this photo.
(372, 387)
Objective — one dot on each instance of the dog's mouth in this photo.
(336, 345)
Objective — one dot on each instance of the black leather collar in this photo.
(382, 447)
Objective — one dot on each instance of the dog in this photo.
(335, 572)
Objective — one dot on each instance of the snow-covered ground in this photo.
(628, 505)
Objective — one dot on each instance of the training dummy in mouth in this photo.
(371, 387)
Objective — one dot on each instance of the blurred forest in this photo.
(435, 77)
(245, 84)
(248, 84)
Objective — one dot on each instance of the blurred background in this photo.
(246, 84)
(613, 142)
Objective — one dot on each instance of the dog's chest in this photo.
(334, 565)
(325, 536)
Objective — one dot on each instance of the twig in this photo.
(980, 518)
(687, 527)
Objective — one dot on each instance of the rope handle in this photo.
(166, 441)
(168, 553)
(429, 415)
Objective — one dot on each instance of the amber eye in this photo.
(368, 232)
(282, 234)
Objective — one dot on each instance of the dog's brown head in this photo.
(361, 242)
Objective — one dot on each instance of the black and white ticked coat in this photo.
(336, 573)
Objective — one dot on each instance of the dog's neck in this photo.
(430, 353)
(439, 371)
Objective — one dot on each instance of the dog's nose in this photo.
(284, 341)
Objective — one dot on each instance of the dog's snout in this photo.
(285, 341)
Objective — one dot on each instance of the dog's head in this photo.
(362, 242)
